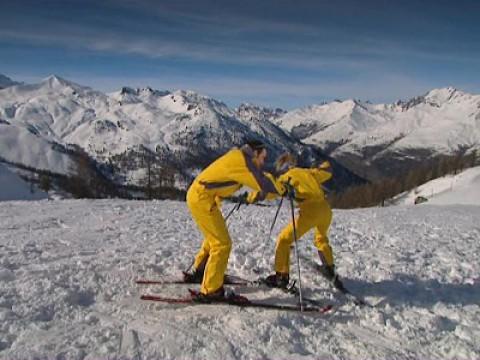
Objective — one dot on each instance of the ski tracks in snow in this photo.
(67, 272)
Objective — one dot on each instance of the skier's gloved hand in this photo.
(254, 197)
(289, 191)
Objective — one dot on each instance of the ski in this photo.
(239, 301)
(229, 280)
(235, 280)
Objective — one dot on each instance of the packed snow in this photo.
(68, 271)
(462, 188)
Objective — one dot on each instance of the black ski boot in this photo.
(328, 272)
(277, 280)
(219, 296)
(216, 296)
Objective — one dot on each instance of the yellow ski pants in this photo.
(216, 245)
(312, 214)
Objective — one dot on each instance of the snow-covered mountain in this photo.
(382, 139)
(42, 125)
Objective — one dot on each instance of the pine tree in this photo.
(45, 183)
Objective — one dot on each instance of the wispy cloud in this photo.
(268, 50)
(227, 34)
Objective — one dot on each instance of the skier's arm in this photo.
(249, 175)
(254, 196)
(321, 176)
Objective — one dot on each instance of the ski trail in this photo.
(137, 345)
(67, 290)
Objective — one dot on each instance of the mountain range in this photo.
(378, 140)
(44, 126)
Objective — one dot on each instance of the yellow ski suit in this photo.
(221, 179)
(314, 212)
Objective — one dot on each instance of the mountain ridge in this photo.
(185, 130)
(181, 130)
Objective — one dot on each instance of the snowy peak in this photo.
(56, 83)
(441, 95)
(178, 101)
(437, 97)
(138, 92)
(190, 97)
(254, 112)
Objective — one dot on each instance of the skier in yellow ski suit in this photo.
(314, 213)
(222, 179)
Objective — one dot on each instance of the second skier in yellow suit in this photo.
(314, 213)
(221, 179)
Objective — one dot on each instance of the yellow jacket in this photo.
(230, 172)
(306, 182)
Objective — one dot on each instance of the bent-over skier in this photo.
(305, 186)
(221, 179)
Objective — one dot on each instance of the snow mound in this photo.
(463, 188)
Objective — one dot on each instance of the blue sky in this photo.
(270, 52)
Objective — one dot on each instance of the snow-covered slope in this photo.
(463, 188)
(67, 290)
(13, 187)
(21, 145)
(443, 121)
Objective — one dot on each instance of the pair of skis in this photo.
(314, 306)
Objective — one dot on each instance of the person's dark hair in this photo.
(256, 145)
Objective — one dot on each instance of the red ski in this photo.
(239, 301)
(229, 280)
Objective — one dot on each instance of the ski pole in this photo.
(235, 207)
(290, 196)
(257, 270)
